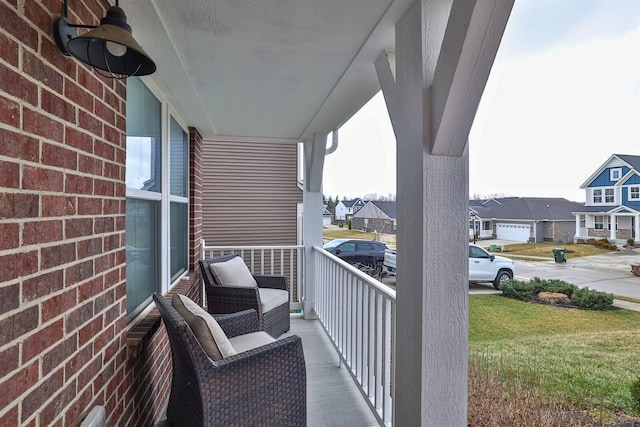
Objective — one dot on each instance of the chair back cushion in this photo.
(210, 335)
(234, 273)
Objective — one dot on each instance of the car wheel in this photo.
(503, 276)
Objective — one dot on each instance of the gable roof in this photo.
(530, 208)
(388, 207)
(350, 203)
(630, 160)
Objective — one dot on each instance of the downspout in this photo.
(334, 142)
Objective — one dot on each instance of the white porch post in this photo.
(577, 236)
(612, 225)
(636, 226)
(443, 55)
(314, 150)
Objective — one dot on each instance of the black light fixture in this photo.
(108, 47)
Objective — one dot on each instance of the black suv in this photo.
(358, 251)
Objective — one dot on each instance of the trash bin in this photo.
(558, 255)
(493, 248)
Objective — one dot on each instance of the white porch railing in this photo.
(358, 314)
(287, 260)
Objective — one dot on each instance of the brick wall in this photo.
(63, 339)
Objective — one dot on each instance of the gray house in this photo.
(523, 219)
(378, 216)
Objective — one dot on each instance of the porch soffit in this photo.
(265, 70)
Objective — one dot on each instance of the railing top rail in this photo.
(248, 248)
(379, 287)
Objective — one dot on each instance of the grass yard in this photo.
(545, 249)
(576, 357)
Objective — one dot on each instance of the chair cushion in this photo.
(233, 272)
(247, 342)
(272, 298)
(210, 335)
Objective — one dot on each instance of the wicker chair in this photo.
(265, 386)
(226, 299)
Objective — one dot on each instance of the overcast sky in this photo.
(563, 95)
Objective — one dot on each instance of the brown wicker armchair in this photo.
(227, 299)
(265, 386)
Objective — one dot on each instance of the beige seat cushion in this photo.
(233, 272)
(210, 335)
(247, 342)
(272, 298)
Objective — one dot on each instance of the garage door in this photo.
(515, 232)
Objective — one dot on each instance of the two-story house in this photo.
(612, 203)
(345, 209)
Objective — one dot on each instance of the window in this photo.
(615, 174)
(597, 196)
(157, 211)
(598, 222)
(634, 193)
(608, 195)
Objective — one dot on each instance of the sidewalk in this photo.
(627, 305)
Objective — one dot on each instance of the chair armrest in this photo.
(263, 386)
(226, 299)
(274, 282)
(240, 323)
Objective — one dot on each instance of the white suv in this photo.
(486, 267)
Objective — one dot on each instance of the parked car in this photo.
(483, 266)
(369, 253)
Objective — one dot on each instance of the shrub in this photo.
(596, 300)
(631, 242)
(516, 289)
(635, 393)
(604, 243)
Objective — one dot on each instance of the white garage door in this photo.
(515, 232)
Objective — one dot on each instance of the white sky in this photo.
(563, 95)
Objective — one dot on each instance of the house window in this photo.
(608, 195)
(634, 193)
(615, 174)
(597, 196)
(598, 222)
(157, 211)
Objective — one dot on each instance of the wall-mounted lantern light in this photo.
(108, 47)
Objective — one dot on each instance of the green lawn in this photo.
(582, 357)
(545, 249)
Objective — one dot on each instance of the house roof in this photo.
(349, 203)
(388, 207)
(606, 209)
(528, 208)
(631, 160)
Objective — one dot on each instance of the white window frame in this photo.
(615, 174)
(609, 195)
(634, 193)
(597, 193)
(596, 222)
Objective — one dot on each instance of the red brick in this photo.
(78, 139)
(89, 123)
(38, 232)
(57, 255)
(90, 371)
(78, 272)
(9, 235)
(113, 171)
(50, 52)
(57, 106)
(106, 113)
(111, 242)
(42, 179)
(78, 317)
(34, 400)
(78, 406)
(90, 165)
(55, 357)
(16, 26)
(90, 289)
(18, 205)
(104, 150)
(110, 206)
(9, 300)
(18, 264)
(40, 71)
(59, 403)
(79, 359)
(19, 146)
(104, 224)
(78, 184)
(10, 360)
(10, 419)
(78, 227)
(55, 155)
(95, 86)
(89, 247)
(78, 95)
(14, 84)
(58, 205)
(57, 305)
(9, 175)
(41, 340)
(104, 188)
(18, 324)
(42, 285)
(39, 17)
(17, 384)
(9, 110)
(103, 339)
(39, 124)
(89, 332)
(8, 50)
(89, 206)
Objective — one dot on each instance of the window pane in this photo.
(143, 138)
(141, 250)
(178, 160)
(179, 237)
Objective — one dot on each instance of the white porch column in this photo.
(314, 151)
(612, 226)
(577, 236)
(444, 51)
(636, 226)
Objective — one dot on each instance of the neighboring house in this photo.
(345, 209)
(327, 217)
(612, 201)
(377, 216)
(523, 219)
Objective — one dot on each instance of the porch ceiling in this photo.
(279, 69)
